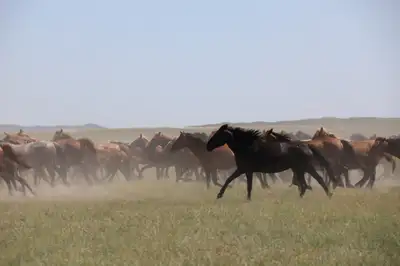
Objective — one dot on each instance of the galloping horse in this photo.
(254, 153)
(150, 151)
(78, 152)
(39, 155)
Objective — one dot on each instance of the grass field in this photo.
(152, 222)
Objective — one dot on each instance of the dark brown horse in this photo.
(9, 163)
(220, 159)
(254, 153)
(81, 152)
(151, 153)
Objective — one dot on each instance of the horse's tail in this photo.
(89, 150)
(390, 159)
(324, 163)
(10, 154)
(351, 153)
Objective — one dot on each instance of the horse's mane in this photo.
(322, 132)
(201, 135)
(282, 136)
(358, 137)
(246, 135)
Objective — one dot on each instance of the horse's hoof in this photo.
(219, 196)
(330, 194)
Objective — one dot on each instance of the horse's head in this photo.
(141, 142)
(387, 145)
(220, 137)
(60, 134)
(323, 133)
(180, 142)
(17, 139)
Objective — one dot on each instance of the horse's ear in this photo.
(61, 130)
(21, 131)
(141, 136)
(5, 133)
(224, 127)
(269, 131)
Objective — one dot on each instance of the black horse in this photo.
(254, 153)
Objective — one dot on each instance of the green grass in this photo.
(163, 223)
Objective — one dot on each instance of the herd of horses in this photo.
(202, 157)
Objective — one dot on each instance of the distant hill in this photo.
(13, 127)
(311, 122)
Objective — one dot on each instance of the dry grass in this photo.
(163, 223)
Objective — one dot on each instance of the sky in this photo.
(174, 63)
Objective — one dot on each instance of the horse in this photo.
(21, 138)
(183, 160)
(253, 153)
(41, 155)
(140, 150)
(376, 151)
(113, 157)
(361, 161)
(80, 152)
(159, 139)
(9, 169)
(337, 151)
(389, 165)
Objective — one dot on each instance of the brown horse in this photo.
(373, 153)
(80, 152)
(339, 152)
(361, 161)
(113, 157)
(221, 158)
(389, 164)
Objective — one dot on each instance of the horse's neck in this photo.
(197, 146)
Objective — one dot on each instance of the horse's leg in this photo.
(347, 179)
(23, 183)
(232, 177)
(214, 177)
(364, 179)
(7, 179)
(62, 172)
(52, 173)
(166, 172)
(372, 178)
(300, 174)
(313, 172)
(262, 178)
(148, 166)
(112, 170)
(125, 169)
(249, 179)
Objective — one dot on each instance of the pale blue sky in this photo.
(148, 63)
